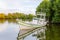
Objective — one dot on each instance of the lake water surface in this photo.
(10, 30)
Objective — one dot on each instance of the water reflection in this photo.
(39, 34)
(8, 31)
(53, 32)
(2, 20)
(3, 26)
(9, 20)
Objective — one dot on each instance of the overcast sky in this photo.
(25, 6)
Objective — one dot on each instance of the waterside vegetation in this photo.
(16, 15)
(51, 8)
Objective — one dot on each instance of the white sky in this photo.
(25, 6)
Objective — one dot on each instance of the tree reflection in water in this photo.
(2, 20)
(9, 20)
(53, 32)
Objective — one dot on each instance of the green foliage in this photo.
(2, 16)
(53, 32)
(30, 16)
(16, 15)
(9, 15)
(45, 6)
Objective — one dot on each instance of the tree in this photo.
(44, 7)
(52, 9)
(57, 11)
(2, 16)
(10, 16)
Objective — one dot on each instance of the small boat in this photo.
(40, 21)
(31, 24)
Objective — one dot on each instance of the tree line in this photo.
(16, 15)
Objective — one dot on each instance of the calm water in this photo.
(9, 30)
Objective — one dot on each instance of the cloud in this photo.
(3, 5)
(21, 5)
